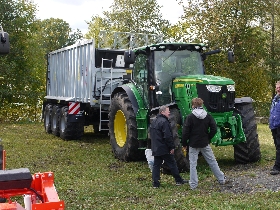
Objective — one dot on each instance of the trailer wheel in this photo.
(55, 120)
(69, 130)
(248, 151)
(182, 160)
(123, 129)
(48, 118)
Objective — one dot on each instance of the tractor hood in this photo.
(204, 79)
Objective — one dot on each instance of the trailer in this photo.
(81, 80)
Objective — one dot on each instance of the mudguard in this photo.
(131, 93)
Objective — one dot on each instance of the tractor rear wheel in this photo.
(48, 118)
(69, 130)
(181, 160)
(248, 151)
(123, 129)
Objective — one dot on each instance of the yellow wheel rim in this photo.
(120, 128)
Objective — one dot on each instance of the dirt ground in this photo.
(250, 179)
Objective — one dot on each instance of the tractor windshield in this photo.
(176, 63)
(170, 64)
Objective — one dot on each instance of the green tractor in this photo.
(173, 74)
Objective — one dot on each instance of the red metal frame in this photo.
(42, 192)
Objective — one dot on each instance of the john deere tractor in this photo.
(173, 74)
(101, 83)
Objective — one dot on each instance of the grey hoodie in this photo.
(199, 112)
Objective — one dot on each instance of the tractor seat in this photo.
(15, 179)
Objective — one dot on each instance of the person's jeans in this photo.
(276, 138)
(211, 160)
(171, 163)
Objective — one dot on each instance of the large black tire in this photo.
(69, 130)
(123, 129)
(48, 118)
(55, 120)
(248, 151)
(181, 160)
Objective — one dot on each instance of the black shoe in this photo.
(155, 187)
(181, 182)
(274, 171)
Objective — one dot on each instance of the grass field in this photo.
(87, 176)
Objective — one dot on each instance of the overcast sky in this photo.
(76, 12)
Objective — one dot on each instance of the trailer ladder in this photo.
(105, 100)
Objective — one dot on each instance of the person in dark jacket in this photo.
(198, 130)
(163, 147)
(274, 125)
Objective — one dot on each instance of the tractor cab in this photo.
(156, 66)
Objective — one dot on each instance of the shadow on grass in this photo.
(95, 137)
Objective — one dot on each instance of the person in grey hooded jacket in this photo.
(198, 130)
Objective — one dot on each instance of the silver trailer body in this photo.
(73, 76)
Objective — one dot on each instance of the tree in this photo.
(139, 16)
(96, 25)
(233, 25)
(56, 33)
(22, 68)
(272, 27)
(179, 32)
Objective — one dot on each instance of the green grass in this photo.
(87, 176)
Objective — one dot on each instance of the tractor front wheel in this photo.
(123, 129)
(248, 151)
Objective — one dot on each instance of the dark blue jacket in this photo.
(274, 118)
(161, 136)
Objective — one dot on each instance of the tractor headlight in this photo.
(214, 88)
(231, 88)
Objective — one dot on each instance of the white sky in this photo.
(76, 12)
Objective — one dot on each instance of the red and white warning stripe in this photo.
(74, 108)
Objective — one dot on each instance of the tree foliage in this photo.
(138, 16)
(272, 28)
(235, 25)
(56, 33)
(23, 70)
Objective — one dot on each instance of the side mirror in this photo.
(129, 57)
(4, 43)
(230, 56)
